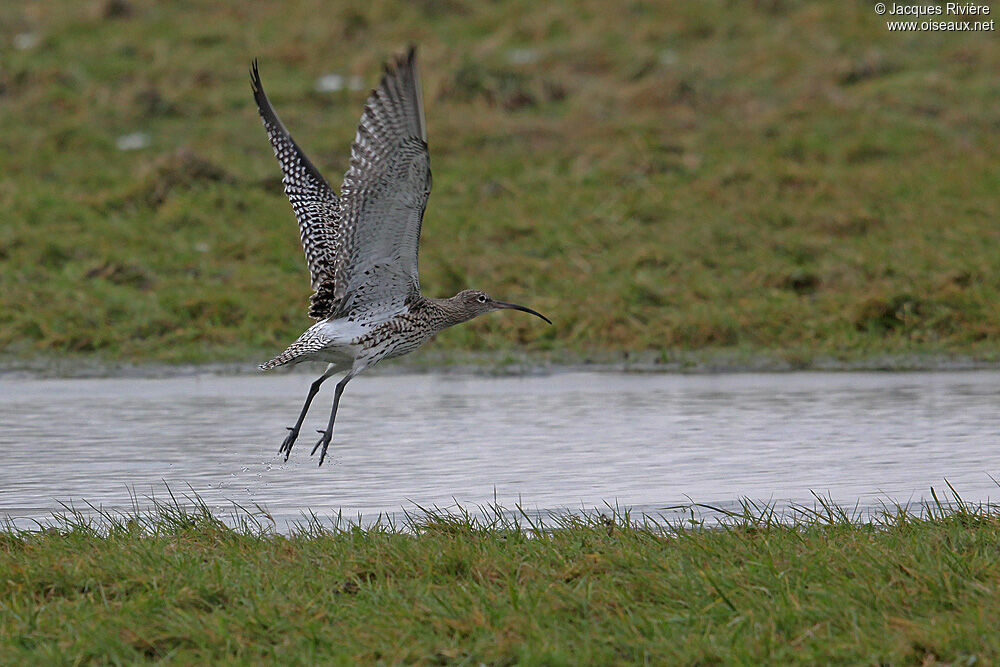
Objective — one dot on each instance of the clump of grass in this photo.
(179, 169)
(154, 517)
(817, 585)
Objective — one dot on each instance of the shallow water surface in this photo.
(564, 440)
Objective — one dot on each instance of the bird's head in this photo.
(475, 303)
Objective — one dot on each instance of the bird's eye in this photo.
(481, 298)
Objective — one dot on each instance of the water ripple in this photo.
(563, 440)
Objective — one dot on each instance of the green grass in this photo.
(781, 178)
(178, 584)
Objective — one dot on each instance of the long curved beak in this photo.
(514, 306)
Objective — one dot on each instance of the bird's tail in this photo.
(288, 356)
(311, 341)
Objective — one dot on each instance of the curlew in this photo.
(361, 246)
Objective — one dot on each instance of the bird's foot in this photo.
(324, 440)
(286, 446)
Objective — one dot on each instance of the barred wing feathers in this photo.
(384, 195)
(316, 207)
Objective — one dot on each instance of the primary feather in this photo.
(316, 207)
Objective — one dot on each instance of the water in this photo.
(565, 440)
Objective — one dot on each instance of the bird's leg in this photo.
(328, 433)
(286, 446)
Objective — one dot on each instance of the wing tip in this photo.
(264, 107)
(397, 67)
(257, 88)
(254, 76)
(408, 59)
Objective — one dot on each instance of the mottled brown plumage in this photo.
(361, 247)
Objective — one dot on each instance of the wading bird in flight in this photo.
(361, 246)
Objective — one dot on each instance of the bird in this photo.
(361, 245)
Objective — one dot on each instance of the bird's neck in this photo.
(447, 312)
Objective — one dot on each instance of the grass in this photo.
(783, 178)
(182, 585)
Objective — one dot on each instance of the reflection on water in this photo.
(562, 440)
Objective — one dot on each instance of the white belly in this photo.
(340, 332)
(342, 347)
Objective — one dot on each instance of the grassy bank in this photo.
(779, 177)
(179, 584)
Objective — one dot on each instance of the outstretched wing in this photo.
(384, 194)
(316, 207)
